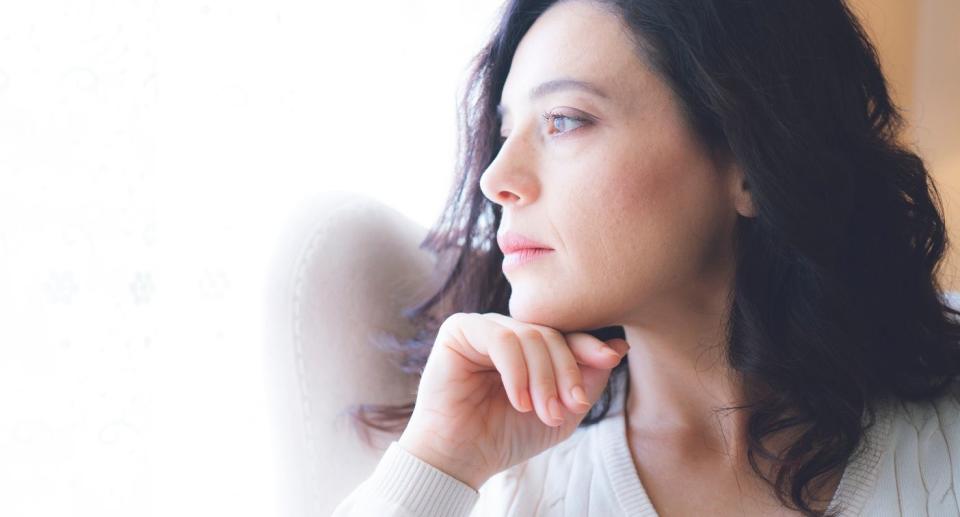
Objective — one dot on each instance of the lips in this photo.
(512, 242)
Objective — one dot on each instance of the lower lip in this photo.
(518, 258)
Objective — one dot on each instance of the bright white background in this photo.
(150, 153)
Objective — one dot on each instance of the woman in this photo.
(713, 191)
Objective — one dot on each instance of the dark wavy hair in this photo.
(836, 302)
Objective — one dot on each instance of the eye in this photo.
(553, 118)
(564, 121)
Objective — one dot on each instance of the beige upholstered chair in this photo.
(342, 273)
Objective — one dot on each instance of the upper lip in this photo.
(510, 242)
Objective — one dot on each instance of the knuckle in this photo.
(529, 335)
(571, 372)
(554, 335)
(544, 385)
(504, 336)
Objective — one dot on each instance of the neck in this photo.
(680, 380)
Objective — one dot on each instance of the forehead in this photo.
(575, 40)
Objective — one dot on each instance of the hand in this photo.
(496, 391)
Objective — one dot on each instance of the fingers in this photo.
(594, 352)
(551, 358)
(538, 365)
(542, 381)
(569, 379)
(489, 344)
(595, 379)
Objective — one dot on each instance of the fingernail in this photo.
(525, 400)
(619, 347)
(579, 394)
(553, 407)
(612, 353)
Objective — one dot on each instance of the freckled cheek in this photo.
(598, 217)
(637, 195)
(621, 220)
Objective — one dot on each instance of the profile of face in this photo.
(639, 213)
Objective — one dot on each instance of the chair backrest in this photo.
(342, 272)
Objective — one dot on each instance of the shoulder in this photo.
(936, 420)
(531, 487)
(921, 463)
(920, 414)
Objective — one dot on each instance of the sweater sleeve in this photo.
(403, 485)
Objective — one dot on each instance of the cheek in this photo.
(611, 229)
(635, 202)
(639, 226)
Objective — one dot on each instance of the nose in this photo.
(511, 177)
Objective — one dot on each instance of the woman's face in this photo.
(639, 216)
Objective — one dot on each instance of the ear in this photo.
(738, 186)
(740, 191)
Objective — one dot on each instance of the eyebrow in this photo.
(556, 85)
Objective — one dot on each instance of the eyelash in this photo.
(550, 116)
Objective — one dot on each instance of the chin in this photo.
(536, 312)
(564, 318)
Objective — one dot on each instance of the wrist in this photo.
(465, 472)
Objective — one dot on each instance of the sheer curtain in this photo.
(150, 155)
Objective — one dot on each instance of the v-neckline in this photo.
(856, 483)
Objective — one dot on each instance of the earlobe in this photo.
(743, 197)
(745, 202)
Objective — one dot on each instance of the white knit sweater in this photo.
(909, 465)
